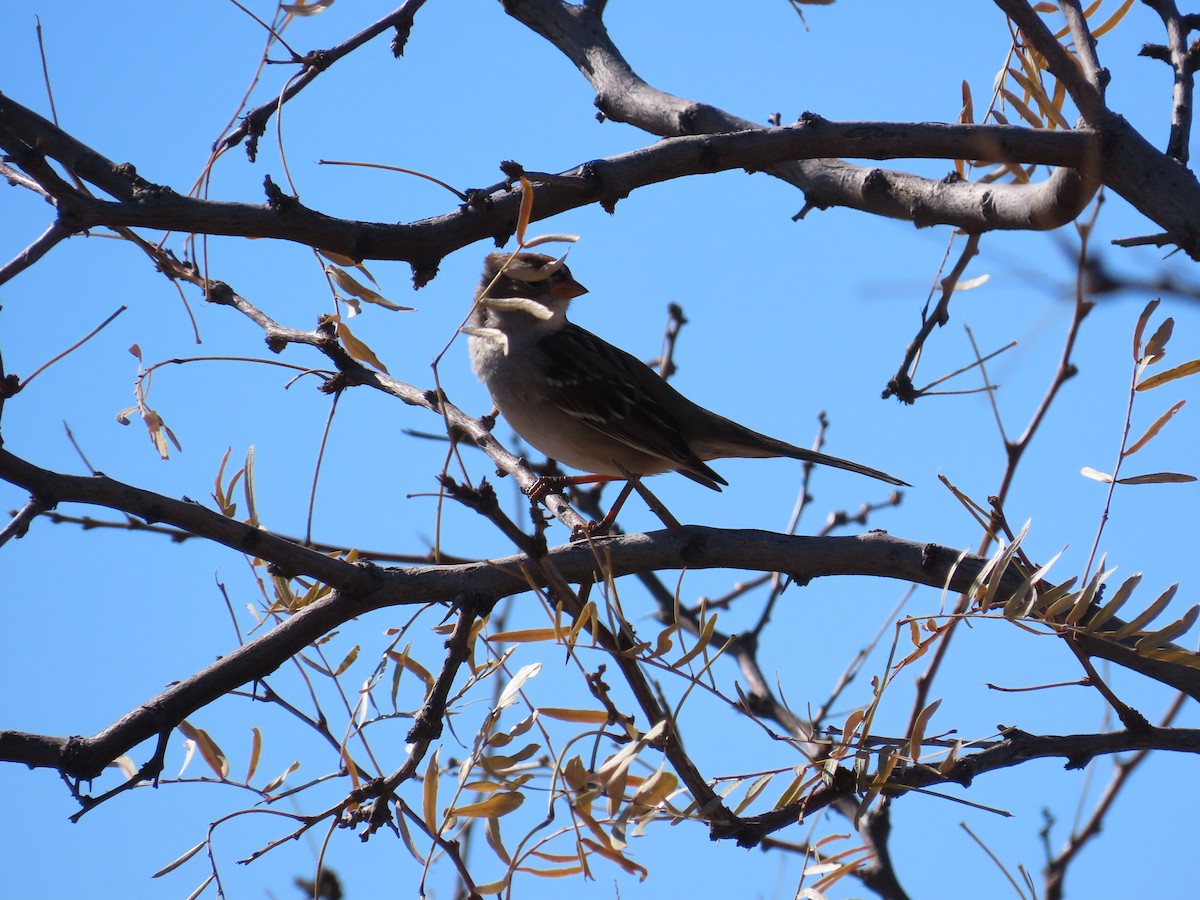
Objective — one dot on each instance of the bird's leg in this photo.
(549, 484)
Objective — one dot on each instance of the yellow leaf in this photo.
(525, 636)
(526, 210)
(494, 806)
(354, 288)
(702, 642)
(1035, 90)
(1180, 371)
(1111, 22)
(255, 753)
(348, 661)
(967, 115)
(213, 755)
(357, 348)
(1024, 111)
(586, 716)
(918, 730)
(1154, 429)
(429, 794)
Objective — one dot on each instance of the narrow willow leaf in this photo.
(917, 736)
(1049, 597)
(1113, 606)
(1001, 568)
(1152, 612)
(1095, 475)
(179, 860)
(1183, 370)
(357, 348)
(526, 210)
(967, 115)
(550, 239)
(1035, 90)
(496, 842)
(354, 288)
(702, 642)
(509, 695)
(524, 636)
(347, 662)
(655, 789)
(1082, 604)
(1024, 111)
(496, 805)
(212, 754)
(1156, 347)
(201, 888)
(1158, 478)
(276, 783)
(404, 661)
(429, 794)
(1140, 328)
(585, 716)
(1154, 429)
(1023, 598)
(255, 753)
(1111, 22)
(1165, 635)
(971, 283)
(756, 788)
(1059, 606)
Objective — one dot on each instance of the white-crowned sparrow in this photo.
(588, 404)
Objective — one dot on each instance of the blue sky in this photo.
(786, 319)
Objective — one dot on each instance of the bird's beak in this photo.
(566, 290)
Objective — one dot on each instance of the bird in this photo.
(588, 404)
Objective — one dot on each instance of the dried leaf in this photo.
(1140, 328)
(1113, 606)
(278, 782)
(1158, 478)
(354, 288)
(1153, 611)
(585, 716)
(494, 806)
(971, 283)
(527, 635)
(1111, 22)
(429, 794)
(509, 695)
(702, 642)
(179, 860)
(1165, 635)
(1095, 475)
(1180, 371)
(347, 662)
(255, 753)
(967, 115)
(917, 736)
(1154, 429)
(357, 348)
(212, 754)
(1024, 111)
(1156, 347)
(526, 210)
(1038, 93)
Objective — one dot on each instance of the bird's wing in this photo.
(620, 396)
